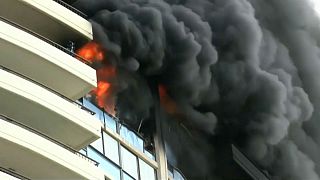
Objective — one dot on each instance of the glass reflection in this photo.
(104, 164)
(99, 113)
(129, 162)
(111, 148)
(126, 176)
(98, 145)
(110, 122)
(131, 137)
(146, 171)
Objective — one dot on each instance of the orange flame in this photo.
(102, 88)
(103, 94)
(167, 102)
(104, 97)
(91, 51)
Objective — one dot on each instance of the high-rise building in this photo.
(47, 130)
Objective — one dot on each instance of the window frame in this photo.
(139, 153)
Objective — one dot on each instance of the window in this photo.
(170, 171)
(117, 161)
(127, 176)
(112, 170)
(99, 113)
(174, 173)
(149, 154)
(111, 148)
(107, 154)
(110, 122)
(177, 175)
(131, 137)
(146, 171)
(98, 145)
(104, 164)
(129, 162)
(83, 151)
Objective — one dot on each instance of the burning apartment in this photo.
(159, 89)
(58, 119)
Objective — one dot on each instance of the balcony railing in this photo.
(71, 8)
(56, 45)
(5, 118)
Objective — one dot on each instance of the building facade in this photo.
(48, 130)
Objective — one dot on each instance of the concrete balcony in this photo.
(29, 154)
(46, 111)
(47, 18)
(43, 62)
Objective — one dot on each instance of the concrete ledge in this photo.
(42, 62)
(37, 158)
(45, 111)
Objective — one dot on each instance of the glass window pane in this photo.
(92, 107)
(170, 174)
(105, 165)
(129, 162)
(170, 170)
(98, 145)
(111, 148)
(146, 171)
(151, 156)
(110, 122)
(126, 176)
(82, 151)
(177, 175)
(131, 137)
(112, 170)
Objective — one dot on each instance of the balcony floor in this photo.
(50, 114)
(43, 63)
(37, 158)
(47, 18)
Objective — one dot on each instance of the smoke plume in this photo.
(231, 71)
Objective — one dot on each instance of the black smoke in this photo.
(241, 71)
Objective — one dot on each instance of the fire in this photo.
(92, 51)
(102, 88)
(103, 94)
(162, 91)
(105, 90)
(104, 99)
(106, 72)
(167, 102)
(172, 108)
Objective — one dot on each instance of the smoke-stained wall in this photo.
(240, 71)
